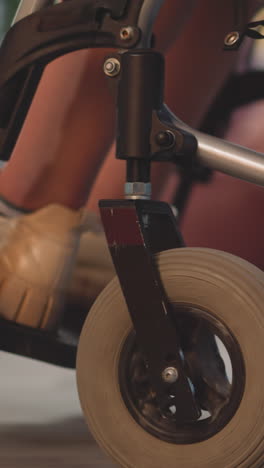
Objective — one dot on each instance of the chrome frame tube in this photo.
(237, 161)
(231, 159)
(148, 14)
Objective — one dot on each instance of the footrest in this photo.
(57, 348)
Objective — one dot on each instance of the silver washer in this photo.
(138, 190)
(170, 375)
(127, 33)
(112, 67)
(232, 38)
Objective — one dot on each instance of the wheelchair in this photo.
(168, 361)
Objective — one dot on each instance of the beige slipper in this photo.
(38, 253)
(93, 269)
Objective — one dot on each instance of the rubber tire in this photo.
(229, 287)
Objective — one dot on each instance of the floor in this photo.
(41, 423)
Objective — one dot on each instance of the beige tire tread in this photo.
(232, 290)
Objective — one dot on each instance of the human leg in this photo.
(70, 127)
(55, 162)
(43, 185)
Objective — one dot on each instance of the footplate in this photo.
(55, 348)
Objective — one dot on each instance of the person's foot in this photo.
(38, 252)
(92, 271)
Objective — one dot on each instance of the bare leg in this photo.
(70, 127)
(62, 146)
(52, 160)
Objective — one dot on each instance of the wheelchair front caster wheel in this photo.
(218, 305)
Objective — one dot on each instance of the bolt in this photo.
(232, 38)
(112, 67)
(127, 33)
(170, 375)
(165, 139)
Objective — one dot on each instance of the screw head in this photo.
(112, 67)
(170, 375)
(126, 33)
(232, 38)
(165, 139)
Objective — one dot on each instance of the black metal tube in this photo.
(183, 193)
(138, 170)
(140, 92)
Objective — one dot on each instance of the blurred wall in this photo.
(7, 12)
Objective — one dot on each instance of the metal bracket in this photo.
(144, 132)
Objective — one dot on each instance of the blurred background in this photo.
(40, 414)
(7, 12)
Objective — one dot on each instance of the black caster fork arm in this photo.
(136, 230)
(55, 30)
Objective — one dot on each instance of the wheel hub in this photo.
(202, 336)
